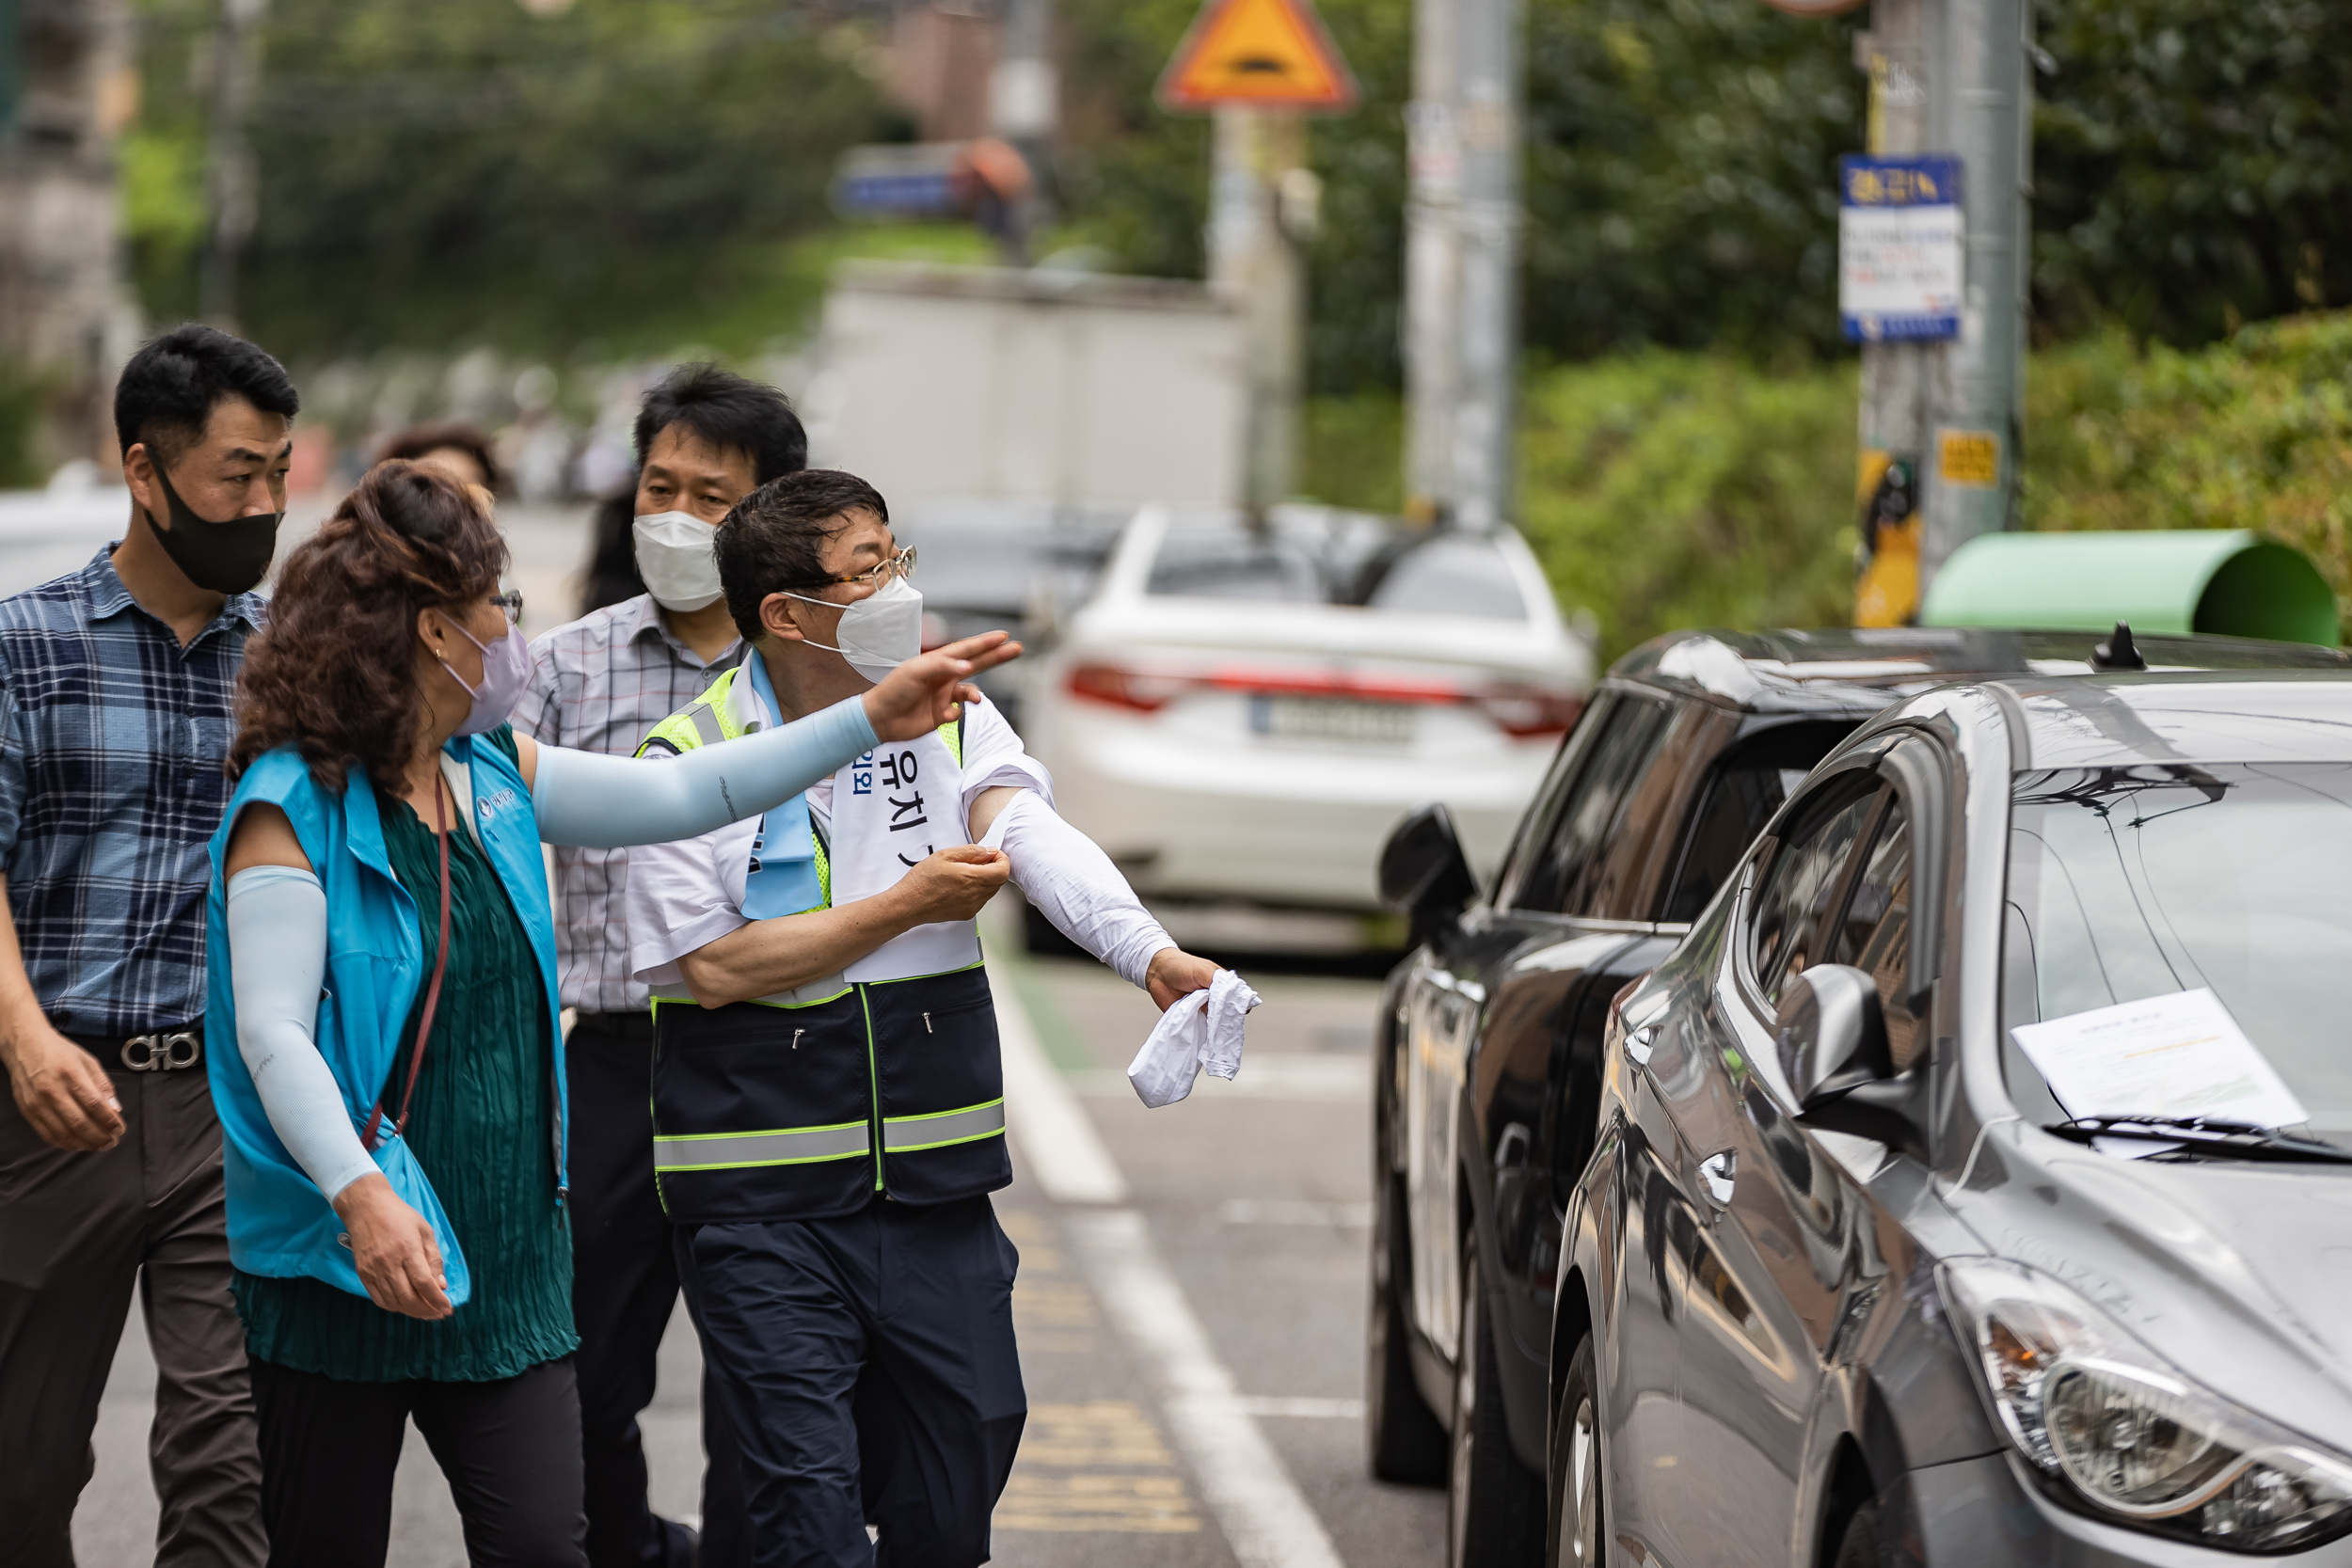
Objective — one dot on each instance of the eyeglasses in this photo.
(512, 602)
(899, 566)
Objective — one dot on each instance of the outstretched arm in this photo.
(602, 802)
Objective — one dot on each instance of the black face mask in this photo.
(223, 557)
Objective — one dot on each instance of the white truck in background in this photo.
(1068, 388)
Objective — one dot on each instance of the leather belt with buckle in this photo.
(164, 1051)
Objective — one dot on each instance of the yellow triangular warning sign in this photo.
(1272, 53)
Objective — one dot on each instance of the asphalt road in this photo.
(1193, 1348)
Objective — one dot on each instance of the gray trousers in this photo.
(76, 1230)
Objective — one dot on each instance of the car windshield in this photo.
(1317, 556)
(2130, 883)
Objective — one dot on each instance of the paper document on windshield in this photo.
(2177, 1055)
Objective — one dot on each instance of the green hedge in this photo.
(1665, 489)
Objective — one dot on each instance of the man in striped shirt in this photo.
(116, 686)
(704, 440)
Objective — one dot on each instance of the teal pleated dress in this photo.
(482, 1125)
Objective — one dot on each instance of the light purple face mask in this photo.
(505, 670)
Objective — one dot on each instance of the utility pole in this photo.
(1941, 420)
(1461, 261)
(1259, 67)
(1896, 373)
(1023, 108)
(66, 317)
(1980, 109)
(229, 173)
(1254, 260)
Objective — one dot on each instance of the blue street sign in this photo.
(900, 181)
(1900, 254)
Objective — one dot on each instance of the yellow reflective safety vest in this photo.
(805, 1106)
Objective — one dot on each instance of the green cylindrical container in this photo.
(2229, 581)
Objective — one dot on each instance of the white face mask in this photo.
(879, 632)
(674, 556)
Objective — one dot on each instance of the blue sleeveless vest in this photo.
(279, 1223)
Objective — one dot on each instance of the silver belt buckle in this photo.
(162, 1051)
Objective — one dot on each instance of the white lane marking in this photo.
(1310, 1409)
(1057, 1140)
(1264, 1518)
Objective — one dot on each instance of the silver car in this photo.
(1974, 1185)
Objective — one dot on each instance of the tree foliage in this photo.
(2192, 163)
(1682, 162)
(439, 170)
(2192, 170)
(1678, 176)
(1663, 489)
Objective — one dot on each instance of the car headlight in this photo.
(2119, 1428)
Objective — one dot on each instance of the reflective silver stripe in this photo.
(901, 1135)
(786, 1146)
(705, 722)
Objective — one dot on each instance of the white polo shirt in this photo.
(685, 896)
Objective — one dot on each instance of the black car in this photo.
(1490, 1033)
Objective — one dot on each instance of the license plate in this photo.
(1332, 718)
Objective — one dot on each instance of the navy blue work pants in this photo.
(868, 1371)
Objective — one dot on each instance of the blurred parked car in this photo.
(1241, 712)
(989, 564)
(1490, 1078)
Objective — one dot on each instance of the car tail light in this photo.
(1524, 711)
(1127, 689)
(1519, 711)
(1340, 684)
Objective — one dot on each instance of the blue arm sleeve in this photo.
(276, 961)
(601, 802)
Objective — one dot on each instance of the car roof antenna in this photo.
(2119, 652)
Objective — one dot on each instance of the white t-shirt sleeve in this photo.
(683, 897)
(992, 755)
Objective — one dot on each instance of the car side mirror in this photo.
(1830, 1033)
(1424, 871)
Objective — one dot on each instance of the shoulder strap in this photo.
(432, 999)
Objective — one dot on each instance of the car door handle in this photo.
(1717, 1174)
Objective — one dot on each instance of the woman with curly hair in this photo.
(383, 952)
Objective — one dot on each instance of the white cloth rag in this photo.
(1202, 1030)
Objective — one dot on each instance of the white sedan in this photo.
(1241, 714)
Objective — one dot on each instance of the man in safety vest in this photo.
(828, 1103)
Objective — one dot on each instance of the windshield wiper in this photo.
(2206, 1135)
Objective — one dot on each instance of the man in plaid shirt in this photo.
(704, 440)
(116, 695)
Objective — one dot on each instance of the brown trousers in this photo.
(75, 1231)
